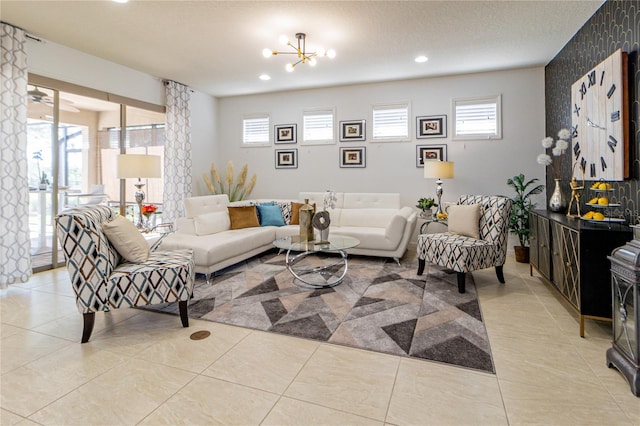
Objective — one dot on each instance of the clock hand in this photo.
(592, 124)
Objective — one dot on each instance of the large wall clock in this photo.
(600, 120)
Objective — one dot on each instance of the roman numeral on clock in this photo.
(615, 116)
(602, 78)
(612, 143)
(583, 165)
(592, 170)
(576, 109)
(611, 90)
(583, 90)
(576, 149)
(574, 131)
(603, 163)
(592, 78)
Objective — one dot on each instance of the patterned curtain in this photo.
(177, 149)
(15, 258)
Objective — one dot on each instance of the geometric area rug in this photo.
(379, 306)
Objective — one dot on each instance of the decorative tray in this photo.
(606, 219)
(603, 206)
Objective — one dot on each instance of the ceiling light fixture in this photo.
(421, 59)
(264, 77)
(300, 50)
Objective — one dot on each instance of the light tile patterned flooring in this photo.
(141, 368)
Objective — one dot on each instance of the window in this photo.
(318, 126)
(478, 118)
(390, 122)
(255, 130)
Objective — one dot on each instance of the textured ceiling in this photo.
(215, 46)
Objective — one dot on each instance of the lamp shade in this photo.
(436, 169)
(138, 166)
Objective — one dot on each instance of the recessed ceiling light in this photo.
(265, 77)
(420, 59)
(121, 1)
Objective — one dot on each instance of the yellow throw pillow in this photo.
(126, 239)
(295, 212)
(243, 217)
(464, 219)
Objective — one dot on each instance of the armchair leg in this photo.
(421, 263)
(89, 320)
(183, 313)
(500, 274)
(461, 278)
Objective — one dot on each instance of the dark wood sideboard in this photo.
(572, 255)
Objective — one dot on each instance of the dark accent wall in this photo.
(615, 25)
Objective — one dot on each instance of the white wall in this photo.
(481, 167)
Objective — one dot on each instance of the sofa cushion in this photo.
(211, 223)
(243, 217)
(373, 217)
(464, 220)
(270, 215)
(127, 240)
(193, 206)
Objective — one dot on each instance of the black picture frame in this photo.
(285, 133)
(353, 157)
(431, 126)
(430, 152)
(353, 130)
(286, 158)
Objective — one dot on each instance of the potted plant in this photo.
(425, 205)
(519, 215)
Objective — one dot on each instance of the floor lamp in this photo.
(138, 166)
(436, 169)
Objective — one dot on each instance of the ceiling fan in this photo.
(39, 97)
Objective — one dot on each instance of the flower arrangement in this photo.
(329, 201)
(237, 191)
(561, 145)
(148, 210)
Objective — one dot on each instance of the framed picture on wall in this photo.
(286, 133)
(353, 157)
(430, 152)
(352, 130)
(431, 126)
(286, 158)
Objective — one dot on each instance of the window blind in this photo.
(255, 130)
(318, 126)
(391, 122)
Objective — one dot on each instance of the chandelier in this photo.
(300, 50)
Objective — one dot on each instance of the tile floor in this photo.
(142, 368)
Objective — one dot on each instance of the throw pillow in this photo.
(295, 212)
(270, 215)
(464, 219)
(126, 239)
(243, 217)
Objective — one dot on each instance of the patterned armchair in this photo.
(465, 254)
(102, 283)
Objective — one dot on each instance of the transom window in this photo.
(477, 118)
(255, 130)
(318, 126)
(390, 122)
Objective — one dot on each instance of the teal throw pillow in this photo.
(270, 215)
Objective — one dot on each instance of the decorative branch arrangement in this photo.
(236, 191)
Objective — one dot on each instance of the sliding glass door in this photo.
(72, 143)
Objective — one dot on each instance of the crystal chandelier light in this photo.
(300, 50)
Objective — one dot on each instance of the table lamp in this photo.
(138, 166)
(436, 169)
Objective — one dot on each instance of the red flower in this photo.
(147, 209)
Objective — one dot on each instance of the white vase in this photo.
(557, 203)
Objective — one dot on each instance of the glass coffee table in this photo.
(323, 275)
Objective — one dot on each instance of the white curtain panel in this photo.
(15, 258)
(177, 150)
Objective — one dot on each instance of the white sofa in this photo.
(382, 225)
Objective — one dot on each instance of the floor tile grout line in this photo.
(393, 387)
